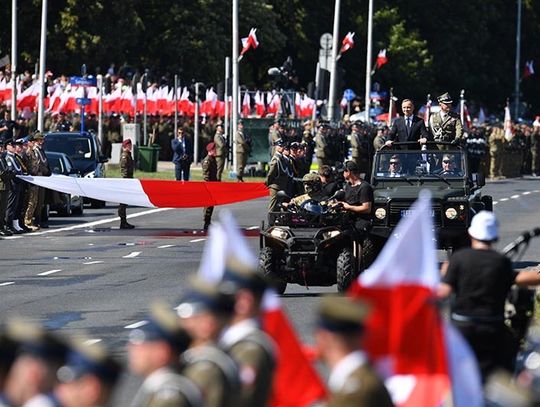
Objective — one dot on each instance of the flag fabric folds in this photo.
(508, 128)
(347, 43)
(153, 193)
(528, 70)
(249, 42)
(381, 58)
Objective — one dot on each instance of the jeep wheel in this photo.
(267, 266)
(345, 270)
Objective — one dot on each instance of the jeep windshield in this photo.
(407, 164)
(77, 147)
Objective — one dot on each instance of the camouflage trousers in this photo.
(207, 216)
(32, 203)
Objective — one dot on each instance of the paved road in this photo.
(85, 275)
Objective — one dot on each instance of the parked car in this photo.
(84, 151)
(63, 204)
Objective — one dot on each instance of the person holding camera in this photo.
(182, 155)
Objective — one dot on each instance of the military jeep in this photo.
(398, 175)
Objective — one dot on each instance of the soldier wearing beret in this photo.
(250, 347)
(204, 311)
(352, 381)
(445, 125)
(279, 177)
(243, 149)
(222, 150)
(153, 352)
(126, 170)
(89, 376)
(32, 377)
(209, 173)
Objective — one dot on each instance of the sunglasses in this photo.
(448, 162)
(394, 162)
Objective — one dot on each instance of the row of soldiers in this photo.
(21, 203)
(209, 350)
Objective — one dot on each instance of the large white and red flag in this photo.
(405, 335)
(347, 43)
(249, 42)
(153, 193)
(246, 105)
(29, 96)
(508, 127)
(259, 104)
(296, 382)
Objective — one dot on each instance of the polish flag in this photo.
(273, 102)
(3, 92)
(162, 94)
(347, 43)
(307, 107)
(93, 95)
(28, 97)
(296, 382)
(153, 193)
(405, 335)
(209, 105)
(152, 95)
(185, 106)
(60, 105)
(297, 104)
(508, 127)
(126, 101)
(381, 58)
(392, 110)
(259, 104)
(246, 105)
(249, 42)
(112, 101)
(54, 100)
(140, 99)
(528, 70)
(343, 103)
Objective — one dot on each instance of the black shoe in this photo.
(24, 228)
(13, 231)
(6, 232)
(126, 226)
(2, 233)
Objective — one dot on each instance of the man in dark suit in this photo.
(408, 128)
(183, 155)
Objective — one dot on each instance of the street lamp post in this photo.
(517, 62)
(42, 61)
(367, 98)
(333, 72)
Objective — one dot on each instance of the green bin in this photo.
(148, 157)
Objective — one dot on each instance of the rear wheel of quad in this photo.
(267, 266)
(345, 270)
(369, 252)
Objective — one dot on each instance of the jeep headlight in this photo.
(279, 233)
(380, 213)
(330, 234)
(451, 213)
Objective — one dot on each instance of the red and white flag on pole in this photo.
(427, 111)
(508, 127)
(347, 43)
(249, 42)
(381, 59)
(296, 382)
(528, 70)
(405, 335)
(246, 105)
(259, 104)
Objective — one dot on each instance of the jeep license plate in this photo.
(405, 213)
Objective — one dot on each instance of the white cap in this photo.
(484, 226)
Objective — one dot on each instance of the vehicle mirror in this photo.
(480, 179)
(283, 195)
(339, 195)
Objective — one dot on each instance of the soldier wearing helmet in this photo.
(313, 188)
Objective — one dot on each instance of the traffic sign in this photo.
(349, 95)
(83, 101)
(82, 81)
(326, 41)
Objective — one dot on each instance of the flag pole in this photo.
(390, 108)
(175, 106)
(518, 57)
(235, 80)
(42, 60)
(367, 99)
(99, 84)
(462, 106)
(13, 59)
(333, 71)
(226, 97)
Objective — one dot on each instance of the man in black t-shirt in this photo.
(480, 279)
(358, 197)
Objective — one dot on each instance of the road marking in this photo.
(165, 246)
(46, 273)
(252, 228)
(495, 202)
(91, 342)
(95, 223)
(93, 262)
(136, 325)
(514, 196)
(526, 193)
(132, 254)
(197, 240)
(7, 283)
(504, 199)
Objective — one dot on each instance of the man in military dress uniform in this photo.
(352, 381)
(322, 145)
(279, 176)
(445, 125)
(15, 197)
(154, 352)
(250, 347)
(361, 150)
(222, 150)
(5, 183)
(243, 149)
(209, 173)
(204, 311)
(36, 166)
(126, 171)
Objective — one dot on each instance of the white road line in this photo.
(131, 255)
(252, 228)
(96, 222)
(504, 199)
(526, 193)
(165, 246)
(136, 325)
(514, 196)
(91, 342)
(536, 190)
(495, 202)
(93, 262)
(197, 240)
(7, 283)
(46, 273)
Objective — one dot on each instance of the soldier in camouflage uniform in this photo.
(250, 347)
(535, 148)
(209, 173)
(126, 171)
(243, 149)
(222, 150)
(323, 149)
(445, 125)
(361, 150)
(154, 352)
(279, 177)
(496, 140)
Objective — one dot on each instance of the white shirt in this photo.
(344, 368)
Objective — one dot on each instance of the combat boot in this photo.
(125, 225)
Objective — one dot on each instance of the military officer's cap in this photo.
(162, 325)
(280, 142)
(324, 123)
(22, 140)
(9, 142)
(295, 145)
(36, 136)
(36, 341)
(338, 313)
(86, 357)
(445, 98)
(204, 297)
(239, 275)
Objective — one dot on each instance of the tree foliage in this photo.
(433, 46)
